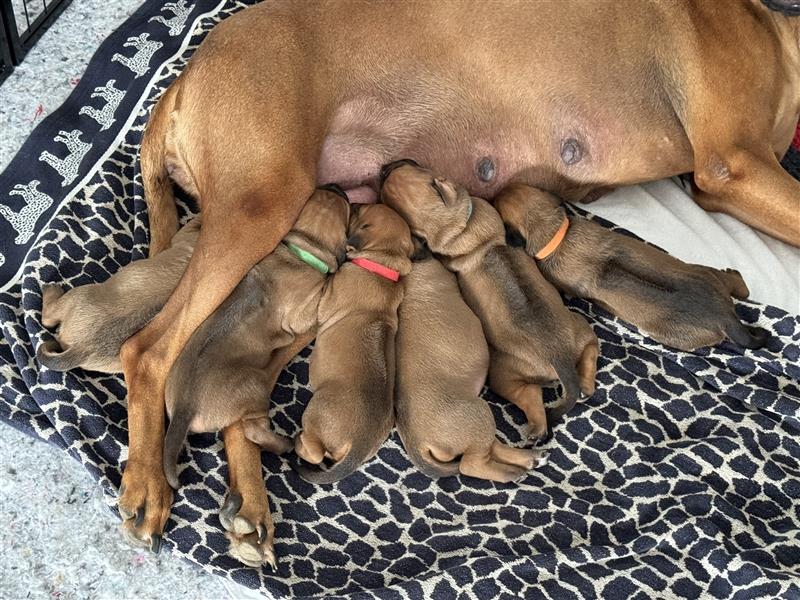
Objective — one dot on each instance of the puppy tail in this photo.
(349, 463)
(50, 295)
(429, 465)
(749, 337)
(572, 391)
(173, 442)
(54, 358)
(161, 210)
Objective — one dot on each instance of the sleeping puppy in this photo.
(442, 362)
(532, 335)
(681, 305)
(228, 369)
(92, 321)
(352, 366)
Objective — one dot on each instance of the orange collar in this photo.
(554, 243)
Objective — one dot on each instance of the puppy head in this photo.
(322, 225)
(378, 231)
(530, 216)
(435, 208)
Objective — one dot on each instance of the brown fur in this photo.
(442, 363)
(532, 335)
(651, 89)
(227, 371)
(353, 365)
(682, 305)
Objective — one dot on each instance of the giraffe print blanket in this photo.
(679, 478)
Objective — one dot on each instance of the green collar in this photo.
(308, 258)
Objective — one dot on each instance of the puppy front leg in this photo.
(245, 514)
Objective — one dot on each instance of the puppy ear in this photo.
(446, 190)
(421, 250)
(514, 238)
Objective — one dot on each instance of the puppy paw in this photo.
(248, 524)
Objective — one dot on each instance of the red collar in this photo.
(377, 268)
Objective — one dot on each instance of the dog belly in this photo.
(484, 148)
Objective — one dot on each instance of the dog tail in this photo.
(173, 440)
(355, 457)
(159, 197)
(572, 391)
(53, 357)
(749, 337)
(428, 464)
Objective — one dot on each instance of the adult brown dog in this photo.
(678, 304)
(568, 96)
(533, 337)
(352, 368)
(442, 362)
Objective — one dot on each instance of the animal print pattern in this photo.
(679, 478)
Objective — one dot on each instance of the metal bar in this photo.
(40, 24)
(6, 66)
(12, 34)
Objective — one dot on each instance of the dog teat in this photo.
(485, 169)
(571, 151)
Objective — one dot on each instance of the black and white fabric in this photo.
(679, 478)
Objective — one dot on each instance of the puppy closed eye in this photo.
(438, 190)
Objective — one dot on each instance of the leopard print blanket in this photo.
(679, 478)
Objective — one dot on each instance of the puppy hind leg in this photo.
(520, 457)
(483, 466)
(527, 396)
(259, 431)
(309, 448)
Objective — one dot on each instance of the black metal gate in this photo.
(22, 22)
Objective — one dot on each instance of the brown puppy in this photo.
(509, 91)
(352, 368)
(533, 337)
(92, 321)
(442, 362)
(226, 373)
(678, 304)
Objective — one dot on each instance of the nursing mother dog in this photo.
(570, 97)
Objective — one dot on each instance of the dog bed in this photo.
(679, 478)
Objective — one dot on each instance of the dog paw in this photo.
(248, 524)
(144, 503)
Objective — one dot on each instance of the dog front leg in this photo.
(245, 515)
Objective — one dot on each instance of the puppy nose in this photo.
(332, 187)
(389, 167)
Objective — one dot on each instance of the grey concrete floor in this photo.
(58, 538)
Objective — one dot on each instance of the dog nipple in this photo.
(485, 169)
(571, 151)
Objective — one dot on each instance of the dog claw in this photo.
(155, 543)
(229, 509)
(262, 533)
(125, 513)
(269, 558)
(139, 517)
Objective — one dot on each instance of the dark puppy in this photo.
(442, 362)
(353, 364)
(533, 337)
(678, 304)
